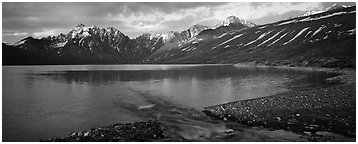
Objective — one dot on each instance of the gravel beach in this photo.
(139, 131)
(307, 111)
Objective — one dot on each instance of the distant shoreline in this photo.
(286, 67)
(194, 64)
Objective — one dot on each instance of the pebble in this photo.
(278, 118)
(86, 134)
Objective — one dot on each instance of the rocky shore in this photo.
(306, 111)
(139, 131)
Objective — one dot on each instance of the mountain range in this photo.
(323, 38)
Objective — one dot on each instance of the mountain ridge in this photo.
(286, 41)
(234, 20)
(197, 44)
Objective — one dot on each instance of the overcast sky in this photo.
(20, 20)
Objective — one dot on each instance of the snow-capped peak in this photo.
(335, 6)
(198, 27)
(194, 30)
(235, 20)
(80, 25)
(173, 36)
(154, 35)
(82, 30)
(157, 36)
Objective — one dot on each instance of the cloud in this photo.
(16, 34)
(208, 22)
(10, 36)
(274, 17)
(256, 5)
(180, 24)
(48, 32)
(170, 7)
(295, 9)
(135, 18)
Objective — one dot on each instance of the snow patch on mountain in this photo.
(263, 27)
(196, 29)
(321, 17)
(222, 35)
(351, 32)
(270, 38)
(234, 20)
(260, 37)
(337, 25)
(311, 13)
(61, 44)
(286, 22)
(81, 31)
(308, 33)
(297, 35)
(278, 39)
(318, 30)
(176, 37)
(235, 37)
(335, 7)
(20, 42)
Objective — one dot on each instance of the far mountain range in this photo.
(317, 38)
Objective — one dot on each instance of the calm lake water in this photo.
(40, 102)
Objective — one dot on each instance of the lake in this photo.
(40, 102)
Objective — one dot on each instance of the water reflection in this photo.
(184, 73)
(100, 76)
(194, 86)
(51, 101)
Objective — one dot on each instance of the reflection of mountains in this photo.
(142, 75)
(182, 73)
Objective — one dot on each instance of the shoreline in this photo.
(309, 111)
(144, 131)
(301, 111)
(250, 64)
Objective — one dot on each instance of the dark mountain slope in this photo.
(325, 39)
(82, 45)
(93, 45)
(179, 49)
(17, 56)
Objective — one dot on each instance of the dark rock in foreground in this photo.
(305, 111)
(139, 131)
